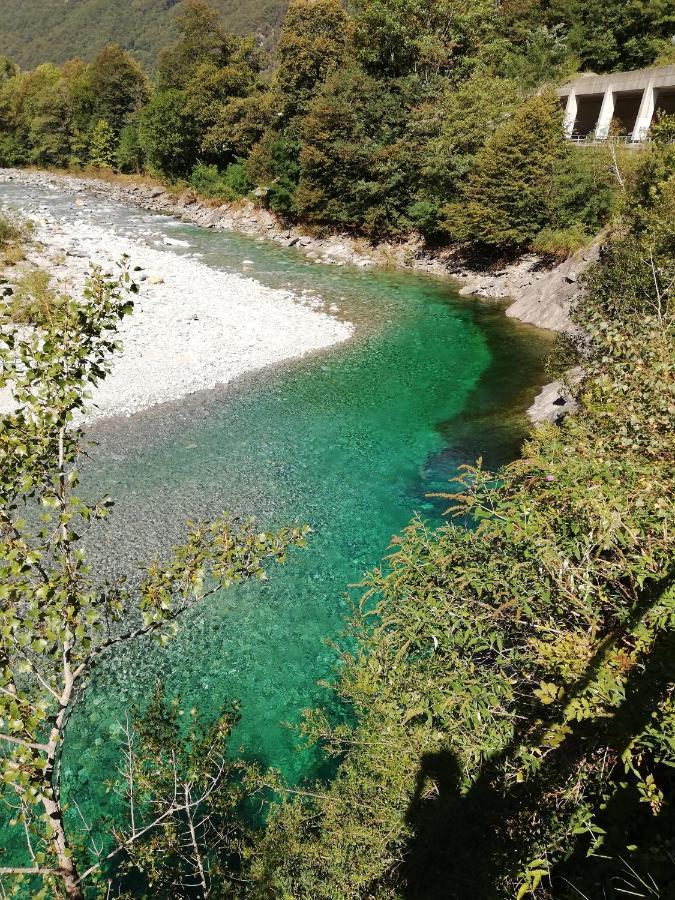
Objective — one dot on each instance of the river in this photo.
(350, 441)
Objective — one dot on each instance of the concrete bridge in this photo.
(630, 100)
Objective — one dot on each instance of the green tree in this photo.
(57, 617)
(314, 42)
(450, 129)
(611, 35)
(129, 154)
(212, 90)
(13, 142)
(118, 85)
(167, 134)
(49, 126)
(509, 194)
(102, 145)
(76, 76)
(37, 113)
(185, 799)
(213, 69)
(396, 38)
(352, 170)
(203, 41)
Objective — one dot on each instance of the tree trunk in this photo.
(67, 868)
(51, 798)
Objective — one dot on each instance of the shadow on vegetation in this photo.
(466, 844)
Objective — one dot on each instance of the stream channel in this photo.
(350, 441)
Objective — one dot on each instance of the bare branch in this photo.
(27, 870)
(193, 840)
(42, 748)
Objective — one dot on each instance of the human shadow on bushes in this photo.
(465, 844)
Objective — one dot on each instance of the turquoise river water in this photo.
(350, 441)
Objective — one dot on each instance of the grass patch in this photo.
(9, 233)
(560, 243)
(34, 302)
(12, 238)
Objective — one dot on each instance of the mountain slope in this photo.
(36, 31)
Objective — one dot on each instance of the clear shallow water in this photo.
(350, 441)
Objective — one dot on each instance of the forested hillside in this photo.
(604, 35)
(37, 31)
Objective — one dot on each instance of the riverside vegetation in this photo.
(510, 674)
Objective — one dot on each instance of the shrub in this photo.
(236, 178)
(11, 242)
(228, 185)
(425, 216)
(585, 190)
(273, 164)
(9, 233)
(34, 302)
(561, 242)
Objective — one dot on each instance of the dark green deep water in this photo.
(350, 441)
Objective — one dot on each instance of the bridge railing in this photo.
(588, 140)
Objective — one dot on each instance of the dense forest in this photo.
(390, 117)
(509, 677)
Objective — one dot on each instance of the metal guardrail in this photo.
(588, 140)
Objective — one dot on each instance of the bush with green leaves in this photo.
(231, 184)
(58, 617)
(13, 237)
(9, 232)
(34, 300)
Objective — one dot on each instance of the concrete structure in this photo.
(629, 99)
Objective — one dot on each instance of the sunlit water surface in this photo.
(350, 441)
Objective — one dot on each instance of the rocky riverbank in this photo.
(193, 327)
(541, 295)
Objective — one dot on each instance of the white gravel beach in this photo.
(193, 327)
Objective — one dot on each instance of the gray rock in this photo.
(555, 400)
(212, 218)
(548, 302)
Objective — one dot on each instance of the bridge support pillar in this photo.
(606, 114)
(570, 113)
(645, 115)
